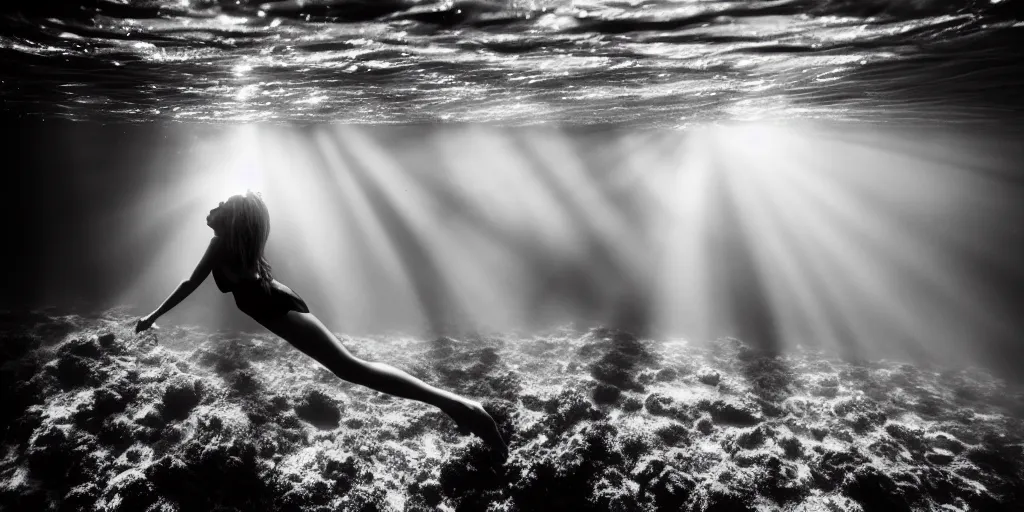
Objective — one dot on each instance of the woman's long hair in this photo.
(248, 227)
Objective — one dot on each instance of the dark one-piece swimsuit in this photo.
(260, 304)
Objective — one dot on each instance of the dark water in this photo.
(645, 63)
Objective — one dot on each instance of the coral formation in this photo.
(95, 417)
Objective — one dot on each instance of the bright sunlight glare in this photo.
(782, 235)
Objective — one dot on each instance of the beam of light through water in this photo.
(682, 290)
(853, 244)
(171, 214)
(785, 235)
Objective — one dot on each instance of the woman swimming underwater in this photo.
(241, 226)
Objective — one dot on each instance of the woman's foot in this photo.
(470, 417)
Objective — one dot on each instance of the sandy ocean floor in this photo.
(95, 417)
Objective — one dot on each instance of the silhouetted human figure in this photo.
(241, 226)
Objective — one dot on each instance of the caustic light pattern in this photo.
(96, 417)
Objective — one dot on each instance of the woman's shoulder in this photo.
(219, 245)
(220, 253)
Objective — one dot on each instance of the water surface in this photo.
(643, 63)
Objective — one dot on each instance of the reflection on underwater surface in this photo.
(866, 240)
(642, 63)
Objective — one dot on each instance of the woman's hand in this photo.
(145, 323)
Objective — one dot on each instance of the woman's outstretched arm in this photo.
(184, 289)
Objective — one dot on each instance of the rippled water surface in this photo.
(650, 63)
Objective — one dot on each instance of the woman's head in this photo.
(243, 223)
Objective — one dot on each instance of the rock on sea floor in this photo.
(95, 417)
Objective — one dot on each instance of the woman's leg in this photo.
(306, 333)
